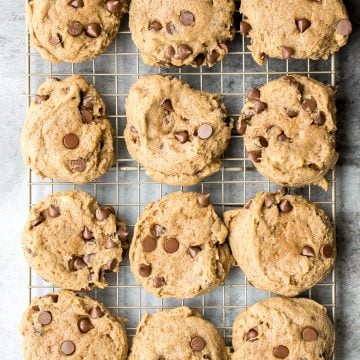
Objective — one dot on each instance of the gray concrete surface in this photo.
(13, 189)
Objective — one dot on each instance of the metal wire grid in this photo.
(128, 189)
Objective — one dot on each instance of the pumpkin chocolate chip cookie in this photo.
(178, 134)
(184, 32)
(299, 29)
(64, 325)
(73, 30)
(178, 249)
(289, 130)
(66, 135)
(71, 241)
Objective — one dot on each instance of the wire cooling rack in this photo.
(129, 190)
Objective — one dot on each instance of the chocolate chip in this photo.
(283, 191)
(171, 245)
(158, 230)
(224, 47)
(199, 59)
(78, 165)
(203, 199)
(298, 86)
(111, 265)
(187, 18)
(309, 105)
(55, 40)
(252, 335)
(93, 30)
(285, 206)
(96, 313)
(169, 53)
(184, 51)
(79, 263)
(303, 24)
(344, 27)
(159, 281)
(194, 250)
(308, 251)
(35, 308)
(29, 251)
(88, 258)
(263, 142)
(87, 102)
(182, 136)
(170, 28)
(102, 213)
(113, 6)
(155, 25)
(37, 221)
(205, 131)
(145, 270)
(197, 343)
(268, 201)
(255, 156)
(85, 325)
(123, 234)
(54, 297)
(109, 243)
(281, 352)
(149, 244)
(45, 318)
(75, 28)
(53, 211)
(244, 28)
(212, 57)
(86, 116)
(327, 251)
(282, 137)
(241, 127)
(319, 118)
(68, 347)
(253, 94)
(309, 334)
(292, 113)
(287, 52)
(87, 234)
(167, 105)
(77, 3)
(259, 106)
(40, 98)
(71, 141)
(248, 116)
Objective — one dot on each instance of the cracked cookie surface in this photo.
(283, 243)
(281, 328)
(182, 33)
(73, 31)
(177, 334)
(300, 29)
(62, 324)
(289, 130)
(66, 135)
(178, 134)
(178, 249)
(71, 241)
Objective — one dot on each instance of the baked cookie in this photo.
(73, 30)
(188, 32)
(280, 328)
(177, 334)
(178, 134)
(283, 243)
(178, 249)
(63, 324)
(66, 135)
(299, 29)
(71, 241)
(289, 127)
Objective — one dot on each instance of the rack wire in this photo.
(128, 189)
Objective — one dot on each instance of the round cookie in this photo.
(63, 324)
(70, 241)
(73, 30)
(178, 249)
(280, 328)
(299, 29)
(178, 134)
(289, 130)
(177, 334)
(283, 243)
(66, 135)
(181, 33)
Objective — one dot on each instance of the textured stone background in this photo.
(13, 188)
